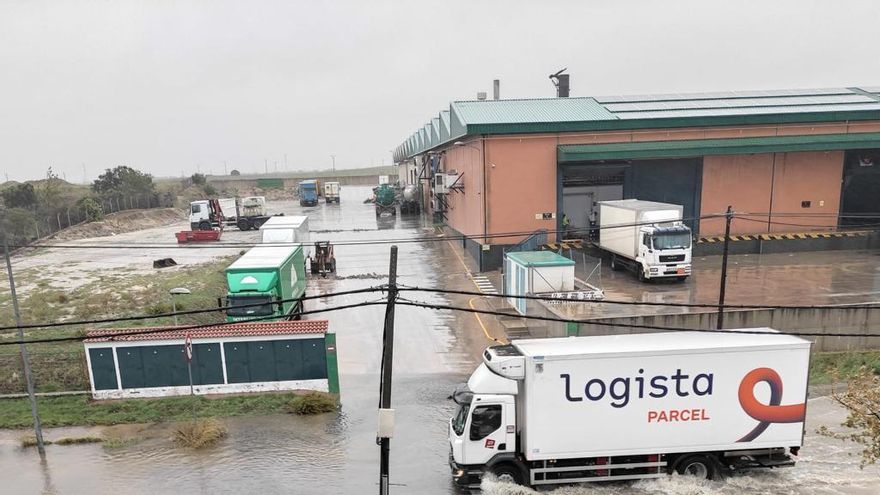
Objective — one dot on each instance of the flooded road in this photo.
(337, 453)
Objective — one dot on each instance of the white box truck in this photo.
(331, 192)
(286, 230)
(646, 237)
(623, 407)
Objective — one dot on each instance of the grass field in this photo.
(82, 411)
(61, 366)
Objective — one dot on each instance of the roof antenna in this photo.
(560, 80)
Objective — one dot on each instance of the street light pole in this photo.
(28, 377)
(723, 288)
(181, 291)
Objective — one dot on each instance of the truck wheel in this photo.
(682, 279)
(243, 224)
(203, 225)
(698, 465)
(615, 265)
(640, 271)
(507, 473)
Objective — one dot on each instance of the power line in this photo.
(184, 313)
(406, 302)
(186, 327)
(633, 303)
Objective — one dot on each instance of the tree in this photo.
(123, 181)
(862, 401)
(199, 179)
(91, 207)
(234, 172)
(20, 196)
(49, 192)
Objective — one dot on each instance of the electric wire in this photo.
(636, 303)
(182, 327)
(627, 325)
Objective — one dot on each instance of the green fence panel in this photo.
(261, 357)
(270, 183)
(103, 368)
(131, 367)
(237, 362)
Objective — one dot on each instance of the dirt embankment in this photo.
(124, 221)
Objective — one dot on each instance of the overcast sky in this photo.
(172, 86)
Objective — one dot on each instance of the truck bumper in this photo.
(465, 476)
(662, 271)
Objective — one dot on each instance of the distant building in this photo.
(242, 357)
(793, 160)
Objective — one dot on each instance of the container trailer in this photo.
(624, 407)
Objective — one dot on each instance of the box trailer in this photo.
(622, 407)
(287, 230)
(646, 237)
(266, 283)
(331, 192)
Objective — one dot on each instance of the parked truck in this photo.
(245, 213)
(386, 201)
(287, 230)
(266, 283)
(331, 192)
(645, 237)
(308, 192)
(625, 407)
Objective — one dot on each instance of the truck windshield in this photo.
(461, 418)
(250, 306)
(672, 241)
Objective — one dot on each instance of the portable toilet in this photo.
(536, 272)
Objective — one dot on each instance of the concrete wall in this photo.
(823, 321)
(723, 180)
(815, 177)
(229, 184)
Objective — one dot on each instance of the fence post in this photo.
(68, 217)
(137, 202)
(58, 217)
(37, 226)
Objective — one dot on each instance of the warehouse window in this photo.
(485, 420)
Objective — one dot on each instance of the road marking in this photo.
(471, 301)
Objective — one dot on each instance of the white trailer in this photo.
(622, 407)
(331, 192)
(646, 237)
(245, 213)
(287, 229)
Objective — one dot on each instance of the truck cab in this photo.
(308, 193)
(205, 214)
(664, 252)
(483, 432)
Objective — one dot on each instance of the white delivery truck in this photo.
(331, 192)
(286, 230)
(646, 237)
(624, 407)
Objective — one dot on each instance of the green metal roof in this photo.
(539, 258)
(651, 111)
(703, 147)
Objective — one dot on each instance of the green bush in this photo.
(91, 208)
(313, 403)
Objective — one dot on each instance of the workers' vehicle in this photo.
(245, 213)
(624, 407)
(646, 237)
(324, 260)
(266, 283)
(386, 201)
(331, 192)
(308, 192)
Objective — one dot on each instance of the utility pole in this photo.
(386, 414)
(333, 167)
(38, 428)
(225, 171)
(85, 180)
(728, 217)
(285, 162)
(266, 165)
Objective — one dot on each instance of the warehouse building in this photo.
(789, 160)
(241, 357)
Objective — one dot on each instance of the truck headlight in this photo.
(458, 473)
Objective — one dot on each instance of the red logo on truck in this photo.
(766, 413)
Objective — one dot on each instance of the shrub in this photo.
(78, 440)
(313, 403)
(91, 208)
(199, 433)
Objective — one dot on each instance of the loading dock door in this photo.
(860, 194)
(584, 185)
(676, 181)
